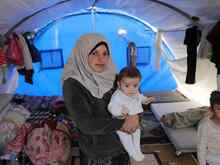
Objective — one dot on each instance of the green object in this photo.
(188, 118)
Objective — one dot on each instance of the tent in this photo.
(142, 19)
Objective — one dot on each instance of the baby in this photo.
(127, 100)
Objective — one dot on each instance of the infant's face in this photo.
(129, 86)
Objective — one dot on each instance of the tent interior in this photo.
(57, 24)
(156, 27)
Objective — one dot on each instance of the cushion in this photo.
(188, 118)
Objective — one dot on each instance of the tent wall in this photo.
(63, 34)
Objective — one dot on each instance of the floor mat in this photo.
(166, 153)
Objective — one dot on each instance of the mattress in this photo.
(184, 139)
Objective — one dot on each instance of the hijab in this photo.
(77, 66)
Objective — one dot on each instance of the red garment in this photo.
(44, 144)
(16, 145)
(2, 57)
(14, 51)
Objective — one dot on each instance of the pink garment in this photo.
(16, 145)
(43, 144)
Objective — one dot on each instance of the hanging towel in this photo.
(158, 49)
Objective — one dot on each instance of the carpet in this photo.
(167, 155)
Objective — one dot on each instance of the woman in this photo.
(87, 81)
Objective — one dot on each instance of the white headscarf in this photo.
(77, 66)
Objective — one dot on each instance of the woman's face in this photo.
(98, 59)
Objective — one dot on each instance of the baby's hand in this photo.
(124, 111)
(148, 100)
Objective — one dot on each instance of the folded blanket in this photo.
(188, 118)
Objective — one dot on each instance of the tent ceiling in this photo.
(13, 11)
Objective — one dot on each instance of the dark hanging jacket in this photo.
(192, 36)
(214, 38)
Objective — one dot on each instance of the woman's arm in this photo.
(80, 110)
(202, 143)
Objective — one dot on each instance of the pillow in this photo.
(188, 118)
(11, 122)
(4, 100)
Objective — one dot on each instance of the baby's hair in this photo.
(215, 98)
(129, 72)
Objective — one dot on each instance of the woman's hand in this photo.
(131, 124)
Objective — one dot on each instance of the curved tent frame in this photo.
(188, 16)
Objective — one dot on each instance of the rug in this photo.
(167, 156)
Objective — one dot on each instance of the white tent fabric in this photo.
(171, 16)
(205, 77)
(12, 81)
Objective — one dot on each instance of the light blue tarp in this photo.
(64, 33)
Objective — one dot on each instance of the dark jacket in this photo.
(192, 36)
(96, 126)
(214, 38)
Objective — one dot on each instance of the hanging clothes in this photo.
(205, 47)
(192, 39)
(14, 51)
(28, 66)
(12, 80)
(35, 54)
(214, 38)
(3, 63)
(158, 49)
(3, 67)
(2, 41)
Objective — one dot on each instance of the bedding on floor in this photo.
(183, 139)
(35, 115)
